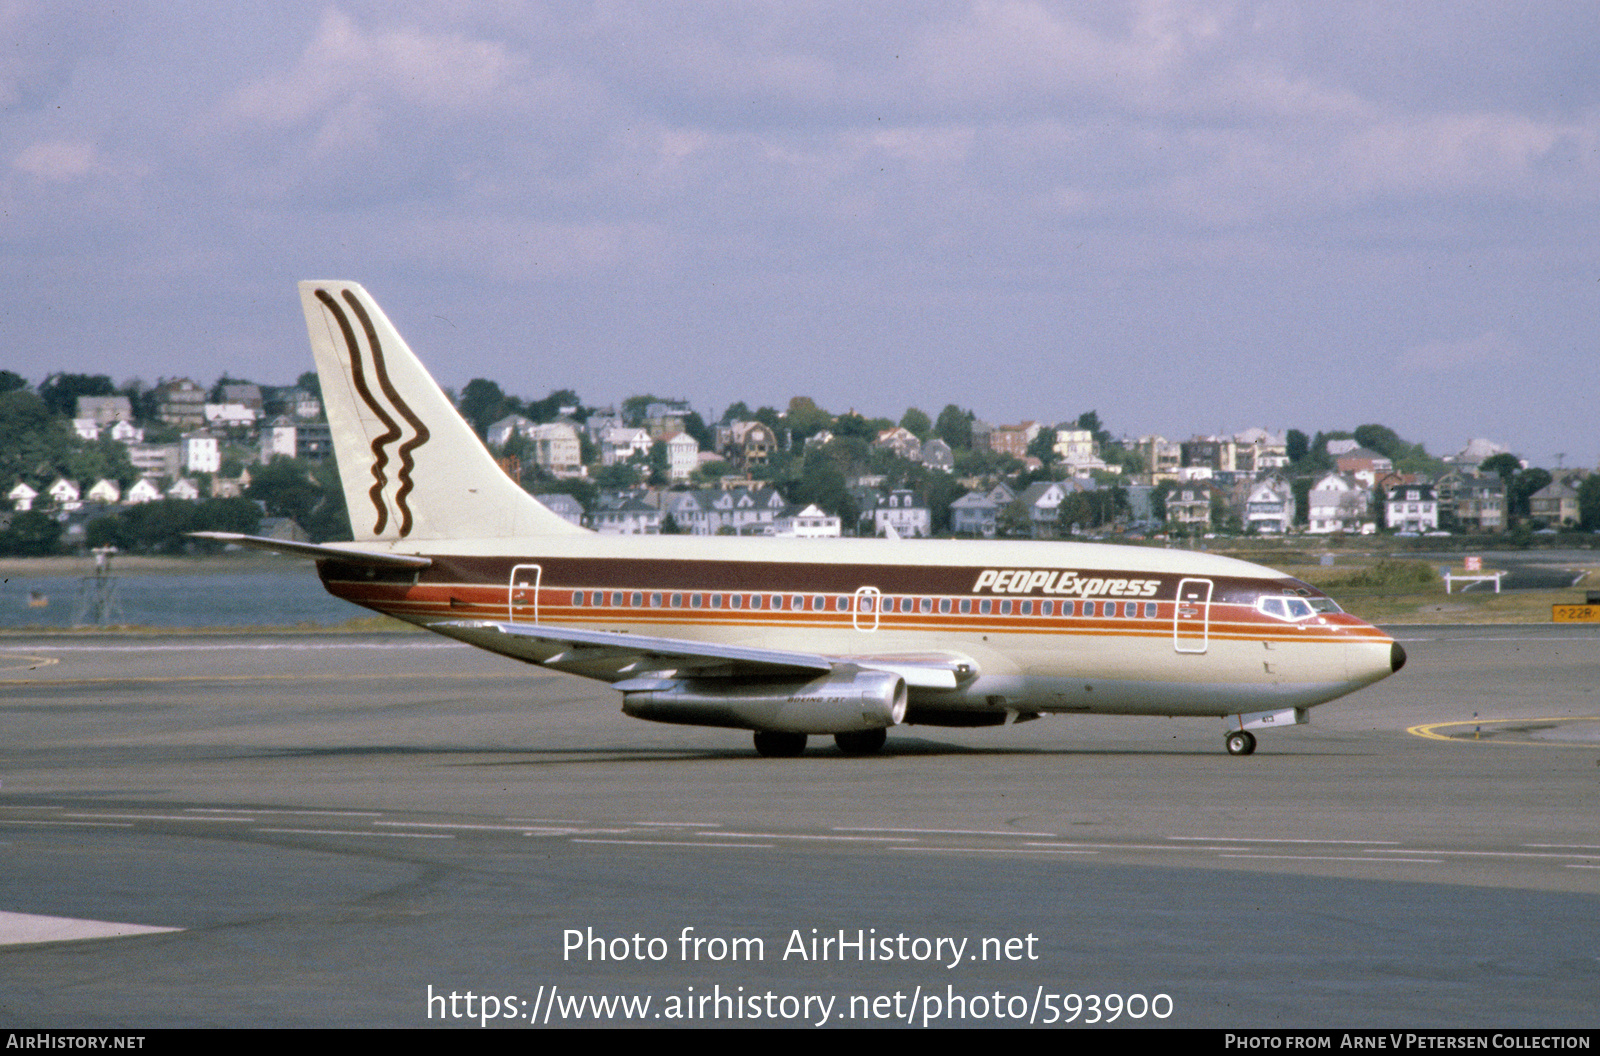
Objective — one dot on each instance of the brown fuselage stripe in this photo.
(554, 605)
(792, 577)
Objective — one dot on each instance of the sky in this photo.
(1193, 217)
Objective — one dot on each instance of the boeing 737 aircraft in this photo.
(794, 637)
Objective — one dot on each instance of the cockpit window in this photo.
(1287, 607)
(1324, 605)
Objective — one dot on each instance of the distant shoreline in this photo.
(139, 564)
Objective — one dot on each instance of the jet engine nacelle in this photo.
(841, 702)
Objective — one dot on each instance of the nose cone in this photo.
(1397, 657)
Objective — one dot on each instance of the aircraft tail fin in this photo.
(412, 468)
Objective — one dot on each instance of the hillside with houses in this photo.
(85, 463)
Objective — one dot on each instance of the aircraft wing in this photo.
(627, 654)
(318, 550)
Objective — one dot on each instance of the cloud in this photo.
(58, 160)
(345, 69)
(1488, 351)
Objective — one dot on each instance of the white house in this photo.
(618, 443)
(811, 522)
(1269, 508)
(144, 490)
(683, 456)
(556, 448)
(22, 497)
(201, 453)
(1412, 508)
(909, 518)
(185, 489)
(105, 491)
(278, 439)
(64, 494)
(1338, 503)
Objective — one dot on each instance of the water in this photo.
(285, 598)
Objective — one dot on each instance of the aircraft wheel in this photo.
(1241, 742)
(777, 745)
(861, 742)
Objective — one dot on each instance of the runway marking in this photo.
(1488, 854)
(314, 813)
(364, 832)
(19, 929)
(1333, 858)
(1139, 846)
(1026, 849)
(806, 836)
(154, 817)
(681, 824)
(29, 662)
(942, 832)
(1278, 839)
(1566, 846)
(678, 843)
(80, 824)
(1427, 730)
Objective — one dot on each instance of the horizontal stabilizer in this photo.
(318, 550)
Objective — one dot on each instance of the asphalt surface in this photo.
(334, 824)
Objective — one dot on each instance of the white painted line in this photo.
(798, 836)
(457, 825)
(678, 843)
(156, 817)
(943, 832)
(1331, 858)
(17, 929)
(364, 832)
(80, 824)
(1485, 854)
(680, 824)
(312, 813)
(991, 850)
(1272, 839)
(1138, 846)
(547, 821)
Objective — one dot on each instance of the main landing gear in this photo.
(1241, 742)
(777, 745)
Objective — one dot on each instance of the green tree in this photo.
(917, 422)
(954, 427)
(1382, 439)
(805, 420)
(1297, 446)
(1090, 420)
(287, 488)
(1506, 465)
(1589, 502)
(60, 392)
(31, 534)
(34, 443)
(11, 381)
(482, 404)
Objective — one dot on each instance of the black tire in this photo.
(1241, 742)
(861, 742)
(777, 745)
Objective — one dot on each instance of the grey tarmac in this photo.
(337, 823)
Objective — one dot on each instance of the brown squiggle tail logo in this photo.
(392, 430)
